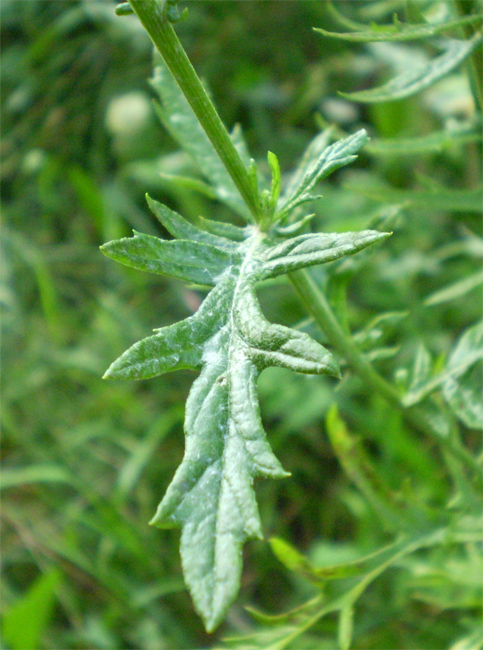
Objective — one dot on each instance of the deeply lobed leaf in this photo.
(229, 339)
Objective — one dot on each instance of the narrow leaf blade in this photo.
(400, 32)
(308, 250)
(318, 167)
(463, 387)
(181, 228)
(186, 260)
(414, 80)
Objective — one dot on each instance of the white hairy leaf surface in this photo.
(229, 339)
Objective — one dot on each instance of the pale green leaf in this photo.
(400, 31)
(455, 290)
(318, 162)
(416, 79)
(455, 200)
(467, 353)
(453, 135)
(276, 345)
(181, 228)
(222, 229)
(311, 249)
(463, 387)
(377, 329)
(190, 261)
(312, 153)
(421, 369)
(229, 339)
(294, 228)
(175, 347)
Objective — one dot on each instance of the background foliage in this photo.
(87, 461)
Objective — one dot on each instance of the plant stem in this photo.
(318, 306)
(152, 15)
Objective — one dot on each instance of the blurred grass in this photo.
(86, 461)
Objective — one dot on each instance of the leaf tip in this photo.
(110, 373)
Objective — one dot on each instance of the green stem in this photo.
(318, 306)
(153, 16)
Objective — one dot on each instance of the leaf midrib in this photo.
(257, 237)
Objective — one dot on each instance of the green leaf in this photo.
(463, 387)
(416, 79)
(308, 250)
(346, 625)
(472, 641)
(318, 162)
(16, 476)
(276, 180)
(286, 629)
(400, 32)
(289, 555)
(227, 230)
(188, 182)
(190, 261)
(179, 119)
(467, 402)
(229, 339)
(300, 564)
(25, 622)
(175, 347)
(180, 228)
(455, 290)
(421, 369)
(438, 198)
(377, 329)
(454, 134)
